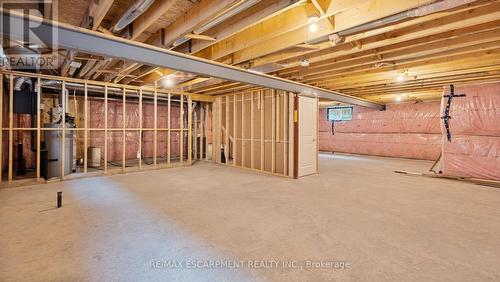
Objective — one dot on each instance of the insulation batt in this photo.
(115, 120)
(474, 150)
(407, 130)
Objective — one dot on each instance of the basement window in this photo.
(339, 113)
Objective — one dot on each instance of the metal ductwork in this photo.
(96, 43)
(132, 13)
(425, 10)
(236, 9)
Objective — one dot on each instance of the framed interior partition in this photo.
(254, 130)
(55, 128)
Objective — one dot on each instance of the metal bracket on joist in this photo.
(446, 117)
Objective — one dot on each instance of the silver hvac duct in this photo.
(421, 11)
(424, 10)
(236, 9)
(131, 14)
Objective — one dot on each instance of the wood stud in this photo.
(278, 121)
(190, 125)
(85, 126)
(181, 134)
(124, 133)
(262, 102)
(235, 143)
(105, 129)
(226, 131)
(11, 125)
(202, 111)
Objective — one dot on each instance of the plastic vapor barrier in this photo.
(408, 130)
(474, 150)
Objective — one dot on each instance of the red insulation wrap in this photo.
(409, 130)
(474, 150)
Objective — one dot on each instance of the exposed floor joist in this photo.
(96, 43)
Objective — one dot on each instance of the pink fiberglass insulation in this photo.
(472, 156)
(115, 138)
(407, 130)
(397, 118)
(474, 150)
(478, 113)
(410, 145)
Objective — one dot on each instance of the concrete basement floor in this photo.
(386, 226)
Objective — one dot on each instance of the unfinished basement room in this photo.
(250, 140)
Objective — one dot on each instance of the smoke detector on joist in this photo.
(305, 63)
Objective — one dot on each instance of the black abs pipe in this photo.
(59, 199)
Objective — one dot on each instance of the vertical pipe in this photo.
(169, 130)
(85, 127)
(59, 199)
(11, 124)
(38, 124)
(155, 139)
(140, 128)
(190, 128)
(181, 134)
(124, 133)
(63, 135)
(105, 128)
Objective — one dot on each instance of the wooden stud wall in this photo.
(185, 128)
(259, 138)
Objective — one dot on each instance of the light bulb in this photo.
(398, 98)
(313, 23)
(168, 82)
(313, 27)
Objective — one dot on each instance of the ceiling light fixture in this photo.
(167, 82)
(398, 98)
(313, 23)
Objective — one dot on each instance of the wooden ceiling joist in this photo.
(98, 43)
(157, 9)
